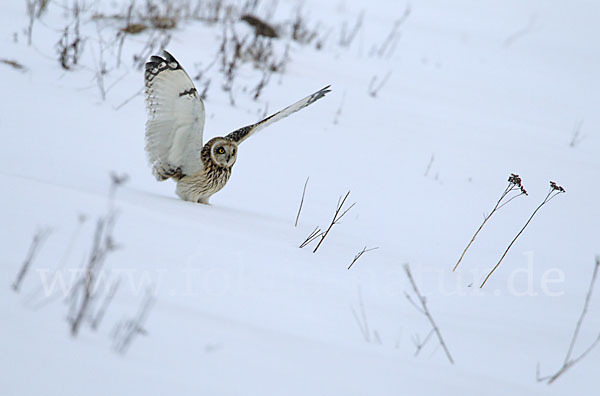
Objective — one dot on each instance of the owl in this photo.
(174, 132)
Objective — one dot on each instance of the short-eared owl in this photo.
(174, 132)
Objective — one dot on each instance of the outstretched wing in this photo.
(175, 118)
(243, 133)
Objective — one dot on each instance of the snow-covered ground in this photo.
(476, 90)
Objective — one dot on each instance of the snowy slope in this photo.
(483, 88)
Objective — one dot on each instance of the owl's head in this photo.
(223, 152)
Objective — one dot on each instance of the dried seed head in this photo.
(556, 187)
(523, 191)
(515, 179)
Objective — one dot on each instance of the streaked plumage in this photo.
(174, 132)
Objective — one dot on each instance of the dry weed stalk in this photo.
(363, 323)
(71, 44)
(35, 9)
(422, 308)
(429, 165)
(126, 330)
(35, 294)
(347, 36)
(389, 44)
(576, 136)
(311, 237)
(38, 240)
(569, 360)
(95, 323)
(514, 185)
(553, 192)
(374, 87)
(301, 202)
(510, 40)
(337, 216)
(420, 344)
(84, 291)
(359, 255)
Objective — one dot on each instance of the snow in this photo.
(240, 309)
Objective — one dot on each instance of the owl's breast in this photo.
(200, 186)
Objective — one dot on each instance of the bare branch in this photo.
(126, 330)
(520, 33)
(104, 307)
(569, 361)
(336, 218)
(374, 88)
(38, 240)
(576, 137)
(419, 345)
(359, 254)
(301, 202)
(429, 165)
(363, 324)
(311, 237)
(425, 311)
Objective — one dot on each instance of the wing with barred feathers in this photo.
(175, 119)
(244, 133)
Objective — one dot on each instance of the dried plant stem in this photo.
(301, 202)
(107, 300)
(569, 362)
(38, 240)
(425, 311)
(363, 323)
(359, 254)
(511, 187)
(551, 194)
(336, 218)
(311, 237)
(37, 291)
(126, 330)
(420, 344)
(102, 245)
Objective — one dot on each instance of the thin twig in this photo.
(336, 218)
(520, 33)
(38, 240)
(569, 362)
(576, 138)
(425, 311)
(419, 345)
(301, 202)
(362, 321)
(311, 237)
(104, 307)
(429, 165)
(359, 254)
(65, 257)
(138, 93)
(374, 88)
(127, 329)
(554, 191)
(514, 184)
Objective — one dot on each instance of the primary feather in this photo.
(244, 133)
(175, 118)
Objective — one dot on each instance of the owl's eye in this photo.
(220, 150)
